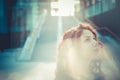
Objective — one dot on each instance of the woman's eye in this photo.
(90, 39)
(87, 39)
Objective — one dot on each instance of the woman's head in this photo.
(78, 48)
(75, 45)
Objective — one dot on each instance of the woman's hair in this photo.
(76, 32)
(62, 68)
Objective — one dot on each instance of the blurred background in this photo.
(30, 30)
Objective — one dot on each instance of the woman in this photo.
(81, 56)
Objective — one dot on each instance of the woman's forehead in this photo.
(87, 33)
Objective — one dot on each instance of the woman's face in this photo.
(88, 39)
(87, 43)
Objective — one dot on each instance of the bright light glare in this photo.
(40, 71)
(62, 8)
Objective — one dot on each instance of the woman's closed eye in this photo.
(89, 38)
